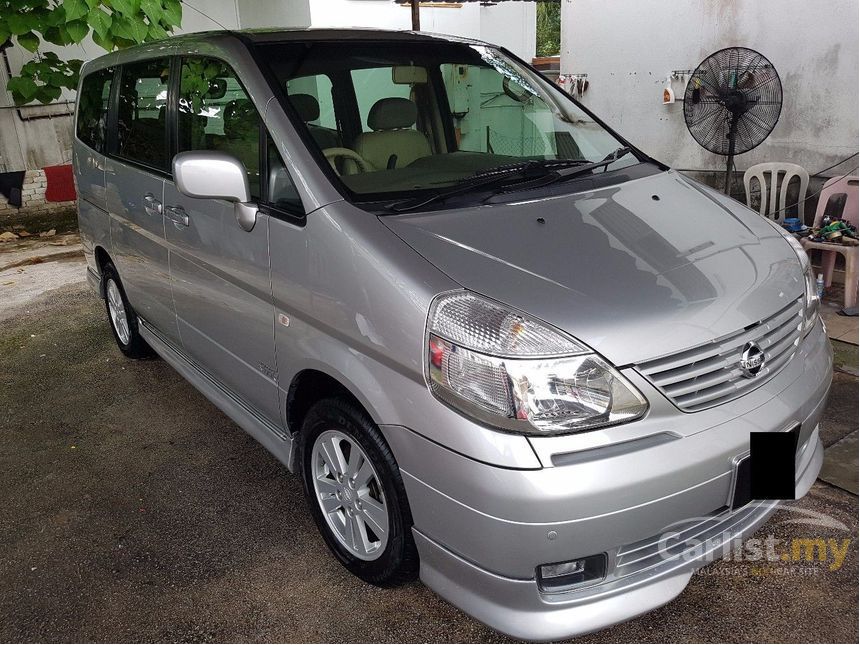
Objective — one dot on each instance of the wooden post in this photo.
(416, 20)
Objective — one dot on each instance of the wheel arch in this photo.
(311, 385)
(102, 258)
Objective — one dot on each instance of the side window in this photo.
(215, 113)
(93, 108)
(282, 190)
(142, 116)
(374, 84)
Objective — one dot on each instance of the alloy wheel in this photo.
(349, 493)
(116, 309)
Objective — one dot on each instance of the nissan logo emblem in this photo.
(752, 360)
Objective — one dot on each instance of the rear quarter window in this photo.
(93, 108)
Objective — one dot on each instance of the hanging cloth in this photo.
(10, 186)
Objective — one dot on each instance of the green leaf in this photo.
(106, 42)
(54, 17)
(75, 9)
(28, 41)
(123, 43)
(18, 24)
(4, 33)
(127, 8)
(23, 89)
(139, 29)
(172, 13)
(156, 32)
(53, 36)
(152, 9)
(78, 30)
(99, 21)
(48, 93)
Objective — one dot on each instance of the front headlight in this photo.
(812, 303)
(517, 373)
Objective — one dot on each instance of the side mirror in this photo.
(216, 175)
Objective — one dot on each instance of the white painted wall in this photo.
(510, 23)
(628, 47)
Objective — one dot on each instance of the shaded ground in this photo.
(132, 509)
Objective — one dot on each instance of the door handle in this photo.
(178, 216)
(151, 205)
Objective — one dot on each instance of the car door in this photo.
(134, 188)
(220, 272)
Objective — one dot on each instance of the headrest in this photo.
(239, 116)
(392, 114)
(307, 106)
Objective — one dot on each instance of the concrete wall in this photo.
(628, 47)
(35, 136)
(34, 209)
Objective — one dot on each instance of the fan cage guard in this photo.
(733, 84)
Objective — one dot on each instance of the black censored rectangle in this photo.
(772, 464)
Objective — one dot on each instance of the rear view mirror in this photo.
(216, 175)
(408, 75)
(211, 175)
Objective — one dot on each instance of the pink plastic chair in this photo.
(847, 185)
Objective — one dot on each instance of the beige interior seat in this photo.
(393, 143)
(308, 109)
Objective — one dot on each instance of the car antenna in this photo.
(206, 15)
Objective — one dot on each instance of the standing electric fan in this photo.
(732, 103)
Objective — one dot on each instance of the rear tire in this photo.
(122, 318)
(352, 482)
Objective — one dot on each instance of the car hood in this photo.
(637, 270)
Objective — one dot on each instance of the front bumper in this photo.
(482, 531)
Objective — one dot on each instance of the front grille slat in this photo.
(708, 375)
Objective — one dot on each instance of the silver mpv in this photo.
(505, 349)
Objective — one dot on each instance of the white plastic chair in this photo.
(772, 203)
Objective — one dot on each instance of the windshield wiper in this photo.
(527, 170)
(577, 171)
(533, 173)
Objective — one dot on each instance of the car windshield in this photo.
(412, 117)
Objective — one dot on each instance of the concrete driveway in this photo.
(133, 510)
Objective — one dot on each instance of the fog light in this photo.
(561, 576)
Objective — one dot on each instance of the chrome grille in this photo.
(710, 374)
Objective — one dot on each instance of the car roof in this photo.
(185, 42)
(315, 34)
(320, 34)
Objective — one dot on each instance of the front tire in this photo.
(122, 318)
(356, 494)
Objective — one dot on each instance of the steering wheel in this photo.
(345, 153)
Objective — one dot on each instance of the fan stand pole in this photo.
(733, 131)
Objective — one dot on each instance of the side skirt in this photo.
(272, 438)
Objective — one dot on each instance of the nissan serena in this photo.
(505, 350)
